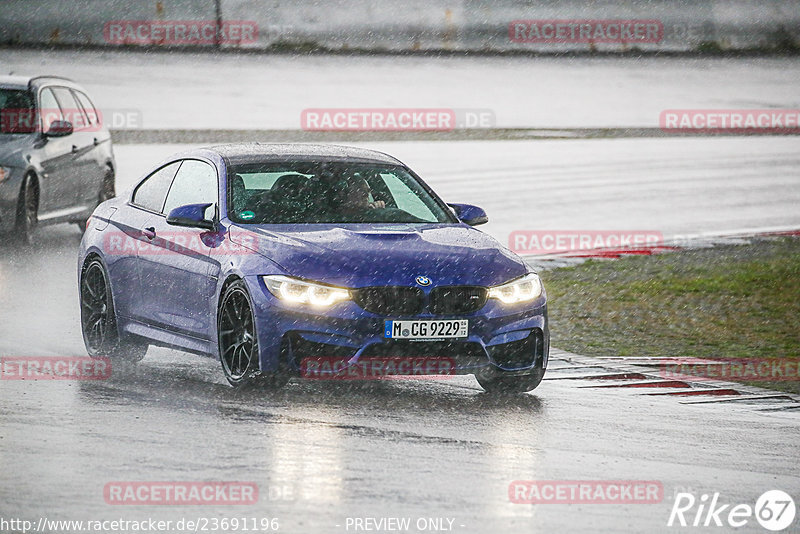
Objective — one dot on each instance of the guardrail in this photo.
(504, 26)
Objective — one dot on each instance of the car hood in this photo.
(362, 255)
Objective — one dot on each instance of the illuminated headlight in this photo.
(522, 289)
(298, 291)
(5, 173)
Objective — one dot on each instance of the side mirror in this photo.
(59, 129)
(469, 214)
(192, 216)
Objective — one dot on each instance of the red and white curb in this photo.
(642, 376)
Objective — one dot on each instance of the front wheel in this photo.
(27, 210)
(98, 322)
(238, 342)
(236, 335)
(502, 382)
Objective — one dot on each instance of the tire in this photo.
(107, 192)
(27, 210)
(238, 341)
(501, 382)
(98, 320)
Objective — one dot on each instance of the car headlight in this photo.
(522, 289)
(298, 291)
(5, 173)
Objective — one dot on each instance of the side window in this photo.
(17, 112)
(195, 183)
(48, 109)
(88, 107)
(70, 108)
(152, 192)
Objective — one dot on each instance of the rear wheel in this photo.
(503, 382)
(27, 210)
(107, 192)
(98, 322)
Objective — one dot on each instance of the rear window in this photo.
(152, 192)
(88, 107)
(71, 110)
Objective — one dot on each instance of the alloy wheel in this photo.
(95, 317)
(237, 340)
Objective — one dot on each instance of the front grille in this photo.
(519, 354)
(457, 300)
(403, 301)
(391, 300)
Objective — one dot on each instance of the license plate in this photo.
(426, 329)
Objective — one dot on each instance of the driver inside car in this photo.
(354, 194)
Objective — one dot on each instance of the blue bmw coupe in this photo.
(267, 256)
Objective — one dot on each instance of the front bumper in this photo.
(9, 199)
(501, 337)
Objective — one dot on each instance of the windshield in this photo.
(17, 115)
(314, 192)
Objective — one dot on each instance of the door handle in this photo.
(74, 148)
(149, 233)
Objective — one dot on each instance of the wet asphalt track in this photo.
(323, 452)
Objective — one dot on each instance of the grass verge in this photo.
(738, 301)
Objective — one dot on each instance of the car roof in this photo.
(240, 153)
(12, 81)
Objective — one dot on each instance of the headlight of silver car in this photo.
(522, 289)
(294, 290)
(5, 173)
